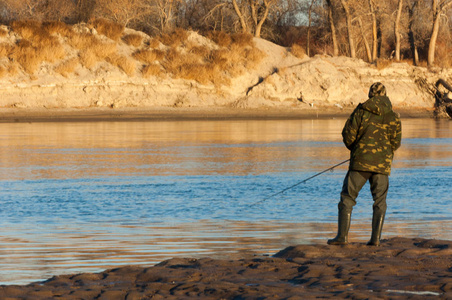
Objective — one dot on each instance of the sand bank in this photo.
(401, 268)
(12, 115)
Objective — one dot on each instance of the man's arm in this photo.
(350, 130)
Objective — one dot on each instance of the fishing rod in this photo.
(298, 183)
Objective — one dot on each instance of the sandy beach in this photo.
(401, 268)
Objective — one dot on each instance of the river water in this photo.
(84, 197)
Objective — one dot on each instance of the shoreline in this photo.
(20, 115)
(400, 268)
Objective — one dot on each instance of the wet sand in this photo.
(11, 115)
(401, 268)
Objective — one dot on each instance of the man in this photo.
(372, 133)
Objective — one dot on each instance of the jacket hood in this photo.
(377, 105)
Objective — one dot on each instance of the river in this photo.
(87, 196)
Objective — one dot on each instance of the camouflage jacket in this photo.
(372, 133)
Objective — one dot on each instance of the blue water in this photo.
(87, 196)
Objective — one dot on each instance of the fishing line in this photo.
(298, 183)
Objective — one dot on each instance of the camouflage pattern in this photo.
(372, 133)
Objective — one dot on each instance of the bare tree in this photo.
(332, 27)
(397, 30)
(374, 30)
(309, 27)
(256, 10)
(438, 9)
(121, 11)
(348, 19)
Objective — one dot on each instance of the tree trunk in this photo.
(333, 28)
(437, 9)
(257, 31)
(241, 16)
(411, 36)
(397, 31)
(374, 30)
(349, 28)
(366, 44)
(308, 38)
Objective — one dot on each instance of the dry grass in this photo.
(151, 70)
(383, 63)
(67, 67)
(297, 51)
(88, 59)
(221, 38)
(57, 27)
(3, 71)
(174, 39)
(154, 43)
(146, 56)
(3, 32)
(242, 39)
(133, 39)
(5, 49)
(108, 28)
(27, 29)
(123, 62)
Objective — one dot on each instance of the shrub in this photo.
(146, 56)
(124, 63)
(3, 32)
(27, 56)
(108, 28)
(221, 38)
(297, 51)
(382, 63)
(27, 29)
(88, 59)
(133, 39)
(3, 71)
(174, 39)
(242, 39)
(67, 67)
(151, 70)
(5, 49)
(154, 43)
(57, 27)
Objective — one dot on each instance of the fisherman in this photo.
(372, 133)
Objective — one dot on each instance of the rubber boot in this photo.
(342, 229)
(377, 227)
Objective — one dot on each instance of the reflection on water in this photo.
(83, 197)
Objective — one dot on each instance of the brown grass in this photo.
(108, 28)
(5, 49)
(146, 56)
(242, 39)
(27, 29)
(154, 43)
(3, 32)
(27, 56)
(383, 63)
(174, 39)
(3, 71)
(297, 51)
(133, 39)
(124, 63)
(221, 38)
(151, 70)
(68, 66)
(88, 59)
(57, 27)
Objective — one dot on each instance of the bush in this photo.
(108, 28)
(134, 40)
(297, 51)
(146, 56)
(122, 62)
(67, 67)
(151, 70)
